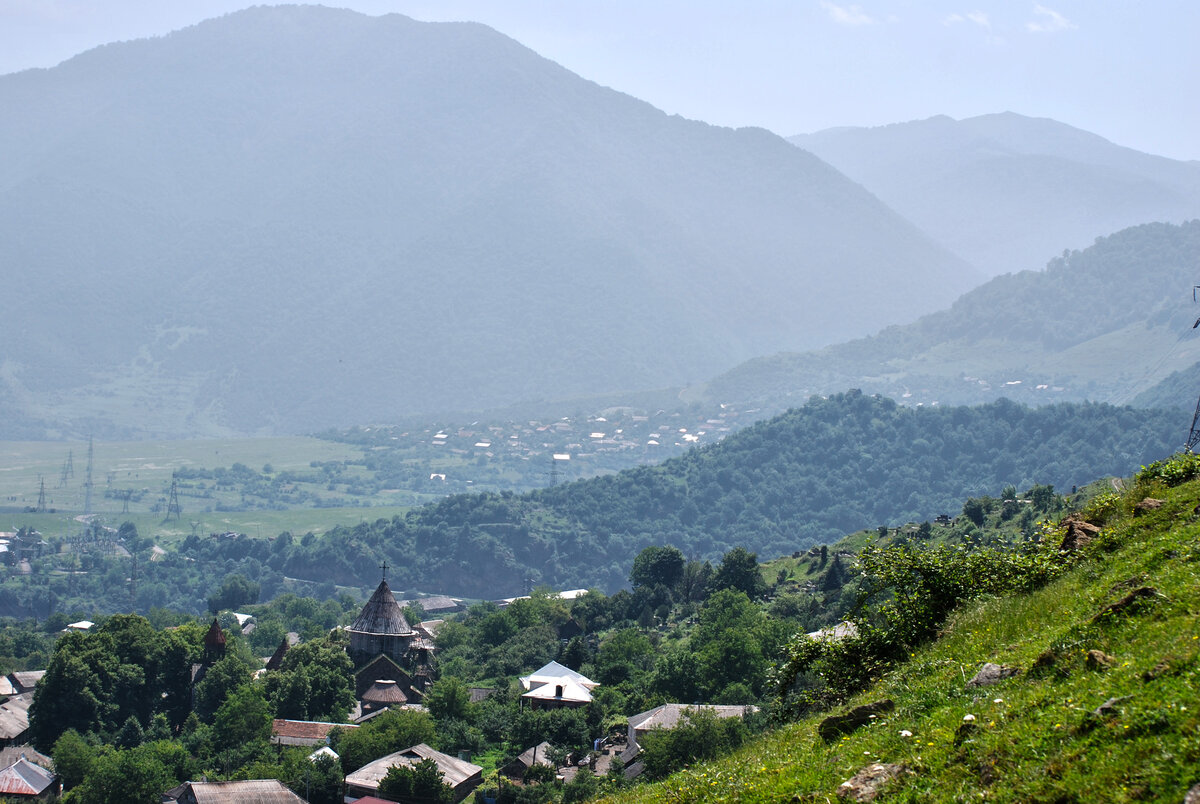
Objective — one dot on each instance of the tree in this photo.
(236, 591)
(322, 676)
(739, 570)
(73, 758)
(657, 565)
(448, 699)
(389, 732)
(225, 676)
(242, 726)
(421, 782)
(700, 734)
(133, 776)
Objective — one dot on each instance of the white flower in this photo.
(905, 733)
(968, 718)
(997, 700)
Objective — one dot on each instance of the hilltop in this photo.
(1005, 190)
(297, 217)
(1096, 698)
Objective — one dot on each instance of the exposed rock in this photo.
(1147, 505)
(1079, 534)
(832, 727)
(868, 782)
(1109, 707)
(1099, 660)
(991, 674)
(1193, 795)
(1131, 601)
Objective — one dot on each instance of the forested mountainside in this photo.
(296, 217)
(1179, 390)
(1007, 191)
(1104, 324)
(833, 466)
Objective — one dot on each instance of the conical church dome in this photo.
(382, 615)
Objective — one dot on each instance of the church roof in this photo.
(382, 615)
(215, 635)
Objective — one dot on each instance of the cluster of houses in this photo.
(394, 668)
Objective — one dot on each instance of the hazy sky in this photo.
(1124, 70)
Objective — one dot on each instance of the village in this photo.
(391, 651)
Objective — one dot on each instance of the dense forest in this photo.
(833, 466)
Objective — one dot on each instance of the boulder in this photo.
(1147, 505)
(868, 782)
(833, 727)
(991, 674)
(1078, 535)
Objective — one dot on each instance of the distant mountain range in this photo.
(296, 217)
(1008, 192)
(1110, 323)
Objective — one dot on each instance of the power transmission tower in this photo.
(41, 506)
(553, 471)
(68, 470)
(1194, 434)
(87, 498)
(125, 504)
(173, 506)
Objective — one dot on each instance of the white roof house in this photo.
(554, 686)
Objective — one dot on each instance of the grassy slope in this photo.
(1036, 739)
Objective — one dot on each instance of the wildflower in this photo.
(997, 700)
(905, 733)
(968, 718)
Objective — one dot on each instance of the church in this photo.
(386, 648)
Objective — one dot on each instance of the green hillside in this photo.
(1104, 324)
(1103, 703)
(833, 466)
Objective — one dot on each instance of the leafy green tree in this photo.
(448, 698)
(242, 726)
(657, 565)
(322, 676)
(236, 591)
(226, 675)
(133, 776)
(739, 570)
(73, 758)
(622, 655)
(421, 782)
(389, 732)
(699, 735)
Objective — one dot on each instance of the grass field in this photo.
(145, 468)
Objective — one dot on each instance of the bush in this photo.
(700, 734)
(907, 593)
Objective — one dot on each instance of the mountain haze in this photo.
(1104, 324)
(1007, 191)
(294, 217)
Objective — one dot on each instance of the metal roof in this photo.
(24, 778)
(251, 791)
(454, 771)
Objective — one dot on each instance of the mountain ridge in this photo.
(464, 219)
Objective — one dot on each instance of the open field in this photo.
(142, 464)
(144, 470)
